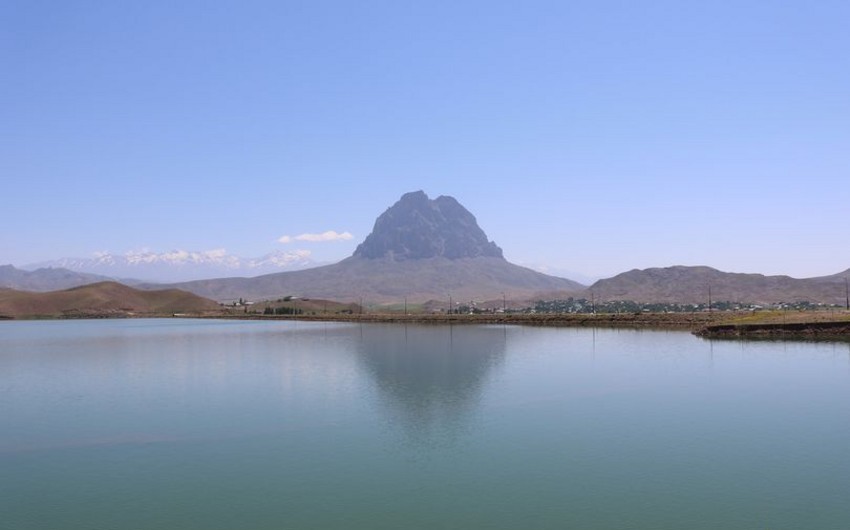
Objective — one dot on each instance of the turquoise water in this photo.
(188, 424)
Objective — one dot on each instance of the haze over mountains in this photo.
(425, 249)
(45, 279)
(180, 265)
(421, 249)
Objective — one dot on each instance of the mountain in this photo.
(180, 265)
(419, 248)
(100, 299)
(690, 285)
(417, 227)
(44, 279)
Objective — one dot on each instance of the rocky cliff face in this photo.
(417, 227)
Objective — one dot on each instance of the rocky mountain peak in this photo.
(417, 227)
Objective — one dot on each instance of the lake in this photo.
(201, 424)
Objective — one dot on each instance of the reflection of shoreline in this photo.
(430, 378)
(662, 321)
(100, 383)
(801, 326)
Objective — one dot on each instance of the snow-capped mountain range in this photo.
(180, 265)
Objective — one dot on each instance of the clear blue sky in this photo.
(592, 136)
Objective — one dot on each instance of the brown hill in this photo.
(100, 299)
(690, 285)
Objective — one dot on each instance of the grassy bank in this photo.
(806, 325)
(778, 324)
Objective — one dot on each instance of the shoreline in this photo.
(612, 320)
(718, 325)
(739, 325)
(825, 330)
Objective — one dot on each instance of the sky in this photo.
(587, 137)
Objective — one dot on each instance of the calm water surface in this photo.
(186, 424)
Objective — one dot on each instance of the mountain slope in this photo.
(105, 298)
(386, 280)
(421, 249)
(840, 277)
(682, 284)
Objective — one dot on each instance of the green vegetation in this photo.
(583, 305)
(283, 310)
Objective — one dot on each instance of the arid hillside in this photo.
(101, 299)
(695, 284)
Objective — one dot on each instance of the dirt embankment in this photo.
(804, 325)
(684, 321)
(796, 330)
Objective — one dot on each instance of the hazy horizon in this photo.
(587, 139)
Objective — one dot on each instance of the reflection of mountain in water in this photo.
(430, 377)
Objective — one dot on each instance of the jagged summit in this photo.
(417, 227)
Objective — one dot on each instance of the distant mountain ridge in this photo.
(180, 265)
(419, 249)
(691, 284)
(45, 279)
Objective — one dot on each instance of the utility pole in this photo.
(451, 306)
(405, 305)
(361, 306)
(592, 303)
(709, 298)
(504, 303)
(846, 295)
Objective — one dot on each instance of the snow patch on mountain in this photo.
(181, 265)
